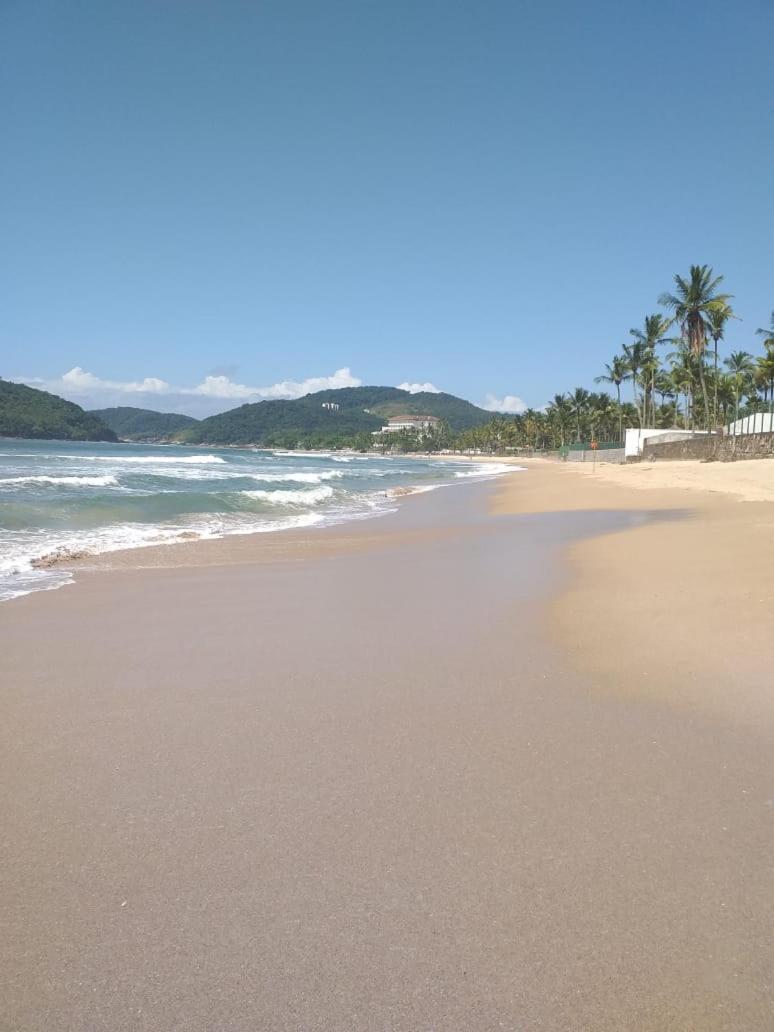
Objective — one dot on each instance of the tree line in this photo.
(671, 366)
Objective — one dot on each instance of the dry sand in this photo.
(679, 610)
(749, 481)
(369, 788)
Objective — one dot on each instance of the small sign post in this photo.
(594, 447)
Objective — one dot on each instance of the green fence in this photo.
(586, 445)
(582, 451)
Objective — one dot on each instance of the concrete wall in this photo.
(726, 449)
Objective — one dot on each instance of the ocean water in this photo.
(60, 499)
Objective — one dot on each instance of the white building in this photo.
(419, 424)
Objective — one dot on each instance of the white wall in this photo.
(760, 423)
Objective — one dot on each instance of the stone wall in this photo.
(725, 449)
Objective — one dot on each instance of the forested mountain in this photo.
(392, 401)
(136, 424)
(309, 420)
(27, 412)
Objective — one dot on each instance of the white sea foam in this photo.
(261, 478)
(313, 497)
(26, 581)
(398, 492)
(101, 481)
(300, 454)
(151, 460)
(298, 478)
(490, 469)
(35, 567)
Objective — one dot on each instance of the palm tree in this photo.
(531, 425)
(716, 320)
(725, 395)
(559, 415)
(693, 301)
(579, 402)
(602, 415)
(649, 372)
(768, 335)
(635, 356)
(766, 373)
(683, 377)
(649, 337)
(615, 373)
(740, 366)
(663, 386)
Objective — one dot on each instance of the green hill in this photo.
(136, 424)
(27, 412)
(306, 421)
(458, 413)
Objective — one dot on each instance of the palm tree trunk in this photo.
(704, 392)
(636, 399)
(736, 416)
(715, 403)
(620, 413)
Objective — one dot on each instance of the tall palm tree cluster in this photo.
(671, 365)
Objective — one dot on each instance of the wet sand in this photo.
(366, 786)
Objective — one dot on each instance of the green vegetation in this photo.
(308, 423)
(697, 307)
(27, 412)
(689, 390)
(456, 413)
(136, 424)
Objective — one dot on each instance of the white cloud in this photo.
(92, 391)
(418, 388)
(223, 387)
(220, 387)
(77, 380)
(509, 403)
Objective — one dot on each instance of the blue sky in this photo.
(204, 196)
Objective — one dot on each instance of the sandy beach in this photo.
(680, 610)
(502, 760)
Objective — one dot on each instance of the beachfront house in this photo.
(416, 424)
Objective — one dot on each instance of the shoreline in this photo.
(227, 548)
(372, 785)
(38, 562)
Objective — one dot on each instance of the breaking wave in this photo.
(298, 478)
(313, 497)
(490, 469)
(153, 460)
(103, 481)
